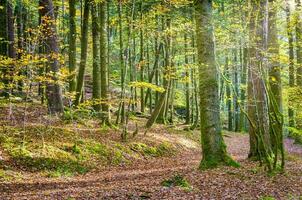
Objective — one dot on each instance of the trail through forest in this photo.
(142, 179)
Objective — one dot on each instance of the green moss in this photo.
(217, 160)
(177, 180)
(162, 149)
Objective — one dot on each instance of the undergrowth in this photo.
(177, 180)
(57, 152)
(296, 134)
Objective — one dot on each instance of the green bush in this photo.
(296, 135)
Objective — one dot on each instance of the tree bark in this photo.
(53, 89)
(104, 64)
(72, 45)
(84, 44)
(213, 147)
(96, 75)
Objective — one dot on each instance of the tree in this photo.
(275, 84)
(84, 44)
(291, 67)
(213, 147)
(258, 106)
(72, 44)
(96, 75)
(3, 31)
(104, 64)
(54, 91)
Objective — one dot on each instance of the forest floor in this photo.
(143, 178)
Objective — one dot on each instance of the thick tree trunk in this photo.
(260, 141)
(53, 90)
(275, 84)
(213, 147)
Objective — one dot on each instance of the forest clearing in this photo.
(151, 99)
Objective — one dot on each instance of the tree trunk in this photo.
(187, 81)
(84, 43)
(72, 45)
(260, 141)
(228, 96)
(299, 54)
(213, 147)
(54, 91)
(142, 59)
(275, 83)
(96, 76)
(291, 67)
(104, 65)
(3, 30)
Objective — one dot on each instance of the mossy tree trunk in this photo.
(260, 140)
(213, 147)
(96, 75)
(275, 85)
(104, 64)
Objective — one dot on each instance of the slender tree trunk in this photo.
(54, 91)
(299, 41)
(11, 31)
(142, 59)
(3, 30)
(228, 96)
(243, 89)
(187, 83)
(291, 67)
(104, 65)
(236, 92)
(121, 111)
(299, 54)
(72, 45)
(84, 44)
(213, 147)
(96, 75)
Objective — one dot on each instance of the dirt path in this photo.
(142, 180)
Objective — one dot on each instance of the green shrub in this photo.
(296, 135)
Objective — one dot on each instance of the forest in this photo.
(151, 99)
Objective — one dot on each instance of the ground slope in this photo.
(142, 179)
